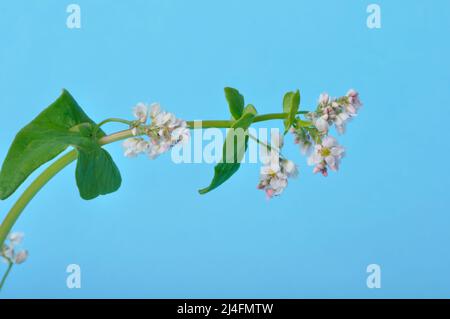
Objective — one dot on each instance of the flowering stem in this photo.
(68, 158)
(8, 270)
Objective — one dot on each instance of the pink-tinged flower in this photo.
(156, 149)
(16, 238)
(135, 146)
(322, 124)
(8, 251)
(353, 99)
(341, 122)
(140, 112)
(324, 98)
(276, 171)
(326, 155)
(21, 257)
(181, 134)
(155, 109)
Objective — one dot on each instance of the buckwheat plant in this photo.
(153, 132)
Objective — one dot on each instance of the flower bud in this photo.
(21, 257)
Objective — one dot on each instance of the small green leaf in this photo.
(235, 102)
(49, 134)
(291, 103)
(231, 162)
(250, 109)
(96, 173)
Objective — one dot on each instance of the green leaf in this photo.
(231, 161)
(291, 103)
(96, 173)
(49, 134)
(59, 126)
(235, 102)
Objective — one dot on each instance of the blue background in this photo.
(157, 237)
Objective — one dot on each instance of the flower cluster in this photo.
(8, 250)
(326, 152)
(164, 132)
(337, 111)
(276, 170)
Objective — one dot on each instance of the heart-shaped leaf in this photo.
(96, 173)
(234, 149)
(49, 134)
(59, 126)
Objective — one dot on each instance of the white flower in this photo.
(20, 257)
(157, 149)
(135, 146)
(155, 109)
(16, 238)
(274, 177)
(140, 112)
(326, 155)
(353, 99)
(273, 182)
(164, 119)
(324, 98)
(322, 124)
(181, 134)
(289, 168)
(341, 121)
(276, 170)
(8, 250)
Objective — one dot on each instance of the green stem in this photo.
(270, 116)
(8, 270)
(257, 140)
(110, 120)
(43, 179)
(114, 120)
(269, 147)
(68, 158)
(209, 124)
(227, 124)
